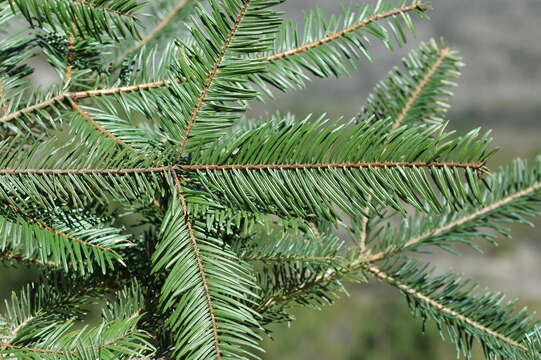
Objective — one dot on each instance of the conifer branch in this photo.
(154, 32)
(210, 167)
(435, 304)
(359, 165)
(107, 133)
(211, 76)
(365, 260)
(416, 92)
(241, 196)
(329, 276)
(77, 95)
(98, 127)
(200, 265)
(334, 36)
(119, 171)
(67, 352)
(51, 311)
(363, 264)
(444, 53)
(440, 230)
(55, 231)
(387, 164)
(121, 337)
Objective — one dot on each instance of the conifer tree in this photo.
(138, 183)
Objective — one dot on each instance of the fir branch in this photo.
(343, 166)
(201, 298)
(221, 286)
(91, 18)
(320, 280)
(210, 167)
(444, 53)
(97, 126)
(74, 242)
(48, 313)
(54, 231)
(84, 349)
(90, 171)
(212, 75)
(200, 265)
(435, 304)
(418, 91)
(77, 95)
(337, 35)
(312, 265)
(515, 180)
(359, 165)
(491, 329)
(460, 221)
(29, 109)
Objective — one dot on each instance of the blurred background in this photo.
(500, 41)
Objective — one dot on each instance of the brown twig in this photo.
(210, 167)
(358, 165)
(98, 127)
(211, 76)
(200, 265)
(334, 36)
(85, 94)
(444, 53)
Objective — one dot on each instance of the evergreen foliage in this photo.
(237, 218)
